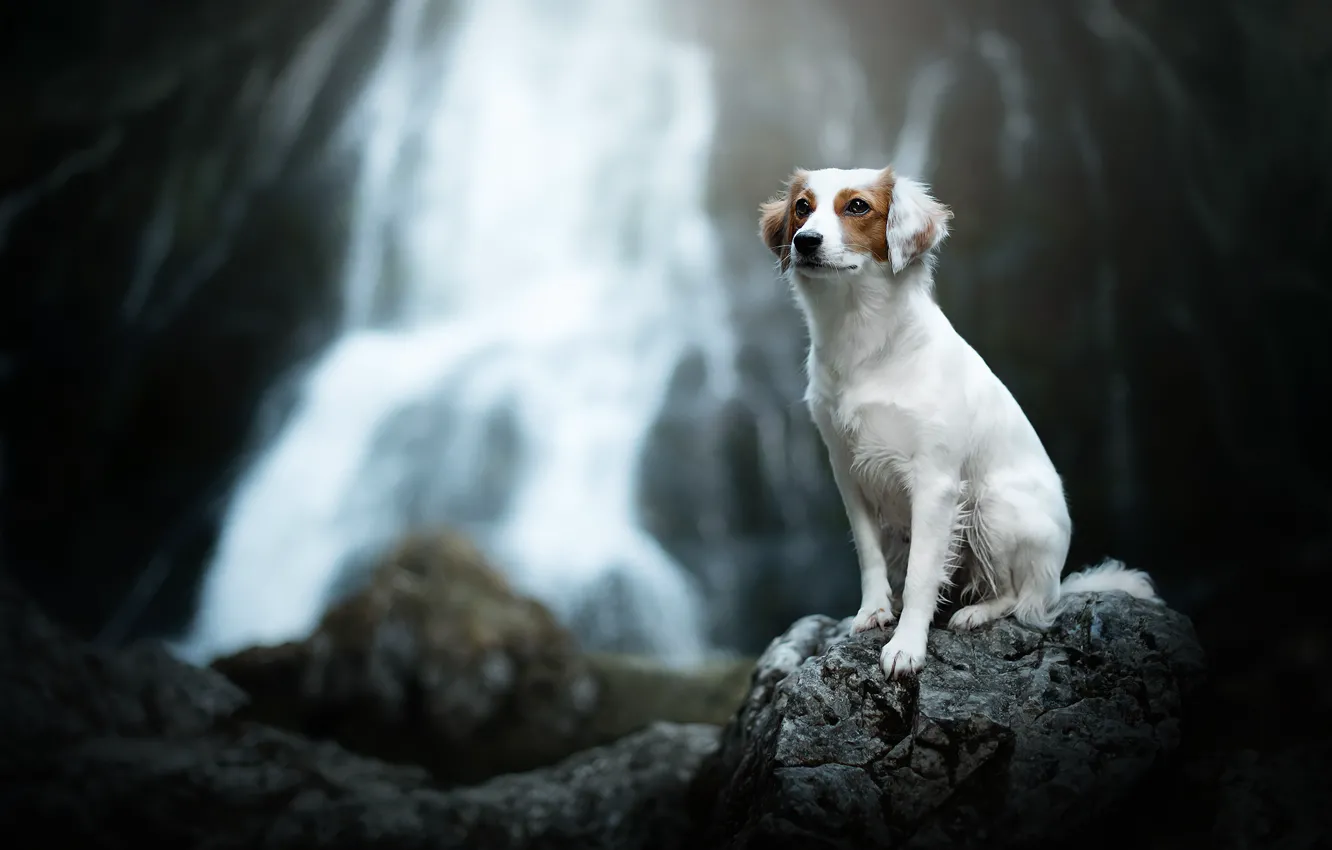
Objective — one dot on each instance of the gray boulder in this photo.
(1010, 737)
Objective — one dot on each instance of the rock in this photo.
(109, 749)
(1010, 738)
(254, 786)
(633, 690)
(56, 689)
(438, 662)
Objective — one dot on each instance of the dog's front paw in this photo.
(902, 657)
(873, 617)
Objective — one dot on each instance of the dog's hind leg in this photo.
(991, 576)
(1029, 546)
(975, 616)
(1041, 559)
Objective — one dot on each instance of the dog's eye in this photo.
(803, 208)
(857, 206)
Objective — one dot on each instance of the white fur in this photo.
(926, 444)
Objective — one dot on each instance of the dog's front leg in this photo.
(933, 510)
(876, 611)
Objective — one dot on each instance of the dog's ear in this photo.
(917, 223)
(775, 218)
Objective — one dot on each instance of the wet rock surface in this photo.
(1010, 738)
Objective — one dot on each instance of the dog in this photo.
(938, 468)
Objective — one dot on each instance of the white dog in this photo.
(936, 463)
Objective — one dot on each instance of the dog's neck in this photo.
(867, 316)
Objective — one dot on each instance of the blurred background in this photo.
(281, 283)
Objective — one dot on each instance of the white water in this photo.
(530, 241)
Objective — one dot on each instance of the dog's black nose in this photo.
(808, 243)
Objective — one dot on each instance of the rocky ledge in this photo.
(1010, 738)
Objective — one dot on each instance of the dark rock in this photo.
(253, 786)
(57, 690)
(113, 749)
(1010, 738)
(439, 662)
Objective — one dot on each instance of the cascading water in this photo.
(530, 261)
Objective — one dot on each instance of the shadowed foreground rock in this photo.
(113, 749)
(1011, 739)
(438, 662)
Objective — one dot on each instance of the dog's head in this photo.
(834, 221)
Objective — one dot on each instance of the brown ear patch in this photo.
(867, 233)
(778, 220)
(917, 223)
(924, 238)
(772, 223)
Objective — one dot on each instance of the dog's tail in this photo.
(1110, 575)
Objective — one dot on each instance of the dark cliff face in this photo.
(171, 210)
(1141, 193)
(1140, 196)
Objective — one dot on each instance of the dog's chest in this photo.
(881, 440)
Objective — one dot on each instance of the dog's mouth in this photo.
(821, 266)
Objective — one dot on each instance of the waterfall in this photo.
(531, 258)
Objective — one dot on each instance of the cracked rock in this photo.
(1010, 737)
